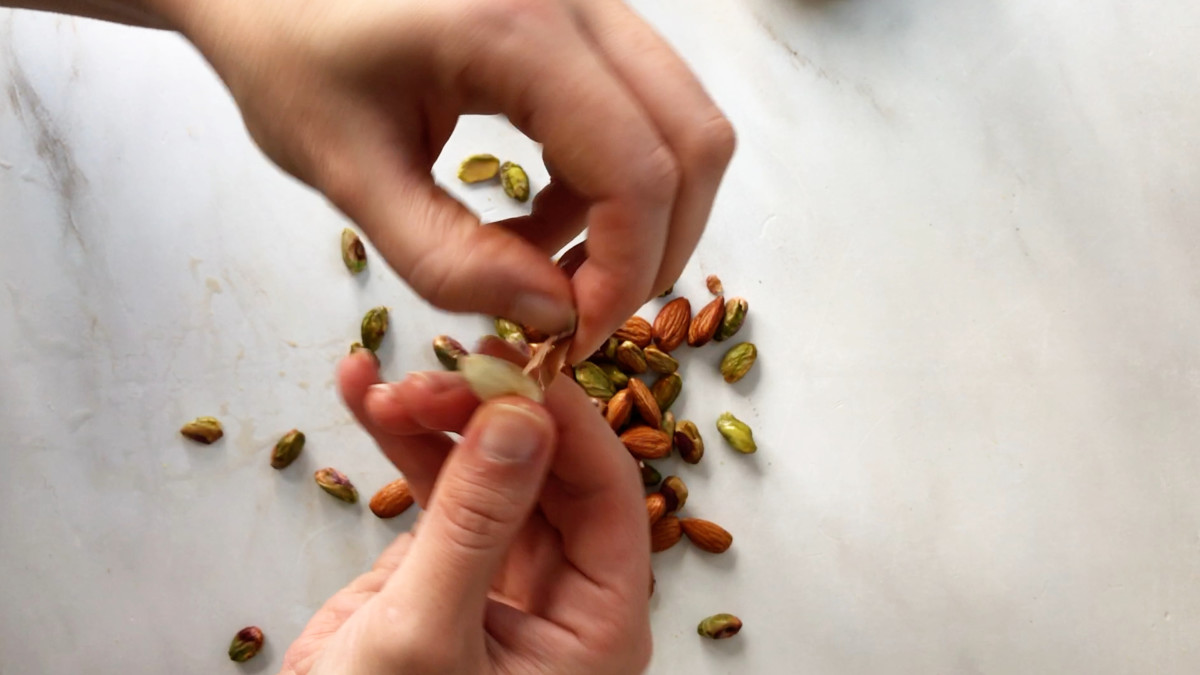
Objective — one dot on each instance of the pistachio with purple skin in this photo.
(720, 626)
(246, 644)
(337, 484)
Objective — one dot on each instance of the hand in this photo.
(533, 555)
(358, 97)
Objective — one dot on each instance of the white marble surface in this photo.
(968, 232)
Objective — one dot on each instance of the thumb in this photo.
(483, 497)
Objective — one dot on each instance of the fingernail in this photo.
(382, 393)
(512, 434)
(434, 381)
(549, 314)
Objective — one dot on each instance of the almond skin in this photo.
(706, 535)
(392, 499)
(656, 507)
(706, 322)
(644, 403)
(646, 442)
(671, 324)
(620, 409)
(665, 533)
(636, 330)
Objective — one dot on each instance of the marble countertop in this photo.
(968, 233)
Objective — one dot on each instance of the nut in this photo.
(706, 535)
(510, 332)
(593, 380)
(374, 327)
(706, 322)
(668, 424)
(689, 442)
(287, 449)
(615, 375)
(636, 330)
(650, 475)
(607, 351)
(392, 499)
(735, 316)
(665, 533)
(656, 507)
(737, 433)
(335, 483)
(357, 347)
(478, 168)
(490, 377)
(448, 351)
(666, 390)
(246, 644)
(670, 290)
(644, 403)
(646, 442)
(204, 430)
(514, 181)
(671, 324)
(630, 358)
(720, 626)
(675, 491)
(738, 360)
(660, 361)
(354, 254)
(620, 408)
(713, 282)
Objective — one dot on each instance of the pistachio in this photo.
(720, 626)
(670, 290)
(735, 316)
(204, 430)
(287, 449)
(666, 390)
(615, 375)
(354, 254)
(514, 181)
(593, 380)
(358, 347)
(650, 475)
(489, 377)
(737, 433)
(337, 484)
(668, 424)
(246, 644)
(511, 332)
(630, 358)
(607, 351)
(676, 492)
(478, 168)
(448, 351)
(688, 442)
(738, 360)
(660, 361)
(374, 327)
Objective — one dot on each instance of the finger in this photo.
(700, 137)
(484, 495)
(558, 216)
(420, 403)
(603, 146)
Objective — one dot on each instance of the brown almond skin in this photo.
(656, 507)
(706, 322)
(392, 499)
(620, 410)
(646, 442)
(665, 533)
(706, 535)
(644, 403)
(671, 324)
(636, 330)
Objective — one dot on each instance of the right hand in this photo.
(358, 97)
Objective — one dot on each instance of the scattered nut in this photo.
(337, 484)
(644, 403)
(671, 324)
(665, 533)
(448, 351)
(738, 360)
(246, 644)
(735, 316)
(675, 491)
(374, 327)
(478, 168)
(656, 507)
(287, 449)
(615, 375)
(514, 181)
(713, 282)
(737, 433)
(706, 322)
(354, 254)
(636, 330)
(646, 442)
(620, 409)
(706, 535)
(204, 430)
(660, 361)
(392, 499)
(593, 380)
(720, 626)
(688, 442)
(650, 475)
(631, 358)
(666, 390)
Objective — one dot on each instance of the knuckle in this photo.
(713, 143)
(658, 176)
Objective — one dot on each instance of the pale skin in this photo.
(534, 560)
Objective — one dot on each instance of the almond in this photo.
(656, 507)
(671, 324)
(706, 535)
(644, 403)
(646, 442)
(665, 533)
(636, 330)
(706, 322)
(392, 499)
(620, 409)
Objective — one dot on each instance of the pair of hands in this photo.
(358, 97)
(532, 554)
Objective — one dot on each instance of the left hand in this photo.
(535, 563)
